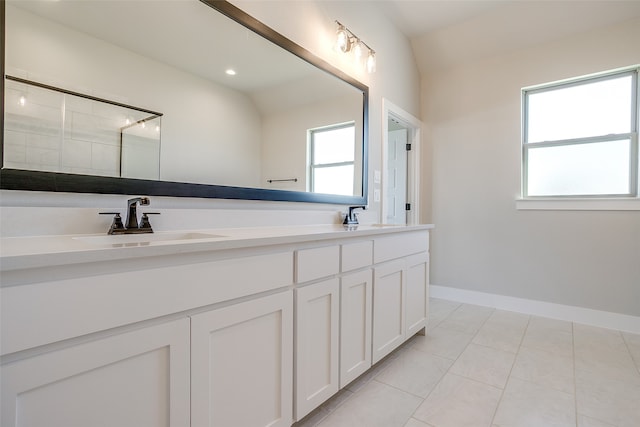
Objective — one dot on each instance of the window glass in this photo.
(581, 169)
(332, 159)
(580, 137)
(600, 108)
(334, 180)
(334, 145)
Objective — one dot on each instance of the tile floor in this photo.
(480, 367)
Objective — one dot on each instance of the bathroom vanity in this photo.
(229, 327)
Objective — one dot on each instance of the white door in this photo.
(134, 379)
(396, 194)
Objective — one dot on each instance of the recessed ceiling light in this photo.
(231, 72)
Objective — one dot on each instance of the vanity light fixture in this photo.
(347, 42)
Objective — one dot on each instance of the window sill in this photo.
(576, 204)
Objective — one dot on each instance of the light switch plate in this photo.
(376, 177)
(376, 195)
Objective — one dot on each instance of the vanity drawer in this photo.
(316, 263)
(400, 245)
(357, 255)
(45, 312)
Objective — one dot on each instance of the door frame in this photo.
(414, 126)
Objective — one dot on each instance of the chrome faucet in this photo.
(131, 225)
(132, 212)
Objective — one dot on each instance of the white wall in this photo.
(308, 23)
(481, 242)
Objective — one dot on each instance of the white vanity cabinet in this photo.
(254, 332)
(241, 359)
(134, 379)
(104, 356)
(400, 290)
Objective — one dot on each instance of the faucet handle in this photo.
(116, 225)
(144, 221)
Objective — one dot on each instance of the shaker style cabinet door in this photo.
(417, 285)
(135, 379)
(355, 325)
(242, 364)
(317, 341)
(388, 308)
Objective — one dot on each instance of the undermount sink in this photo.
(120, 240)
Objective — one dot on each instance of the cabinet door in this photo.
(242, 364)
(417, 288)
(388, 308)
(317, 340)
(135, 379)
(355, 325)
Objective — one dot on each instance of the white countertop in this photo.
(42, 251)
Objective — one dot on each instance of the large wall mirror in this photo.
(175, 98)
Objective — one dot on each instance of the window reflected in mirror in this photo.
(332, 159)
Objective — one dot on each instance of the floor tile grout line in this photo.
(637, 364)
(495, 411)
(575, 377)
(448, 369)
(399, 389)
(454, 360)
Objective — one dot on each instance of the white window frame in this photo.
(627, 201)
(312, 164)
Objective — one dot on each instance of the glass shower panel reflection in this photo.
(55, 130)
(140, 144)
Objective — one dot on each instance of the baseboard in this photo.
(587, 316)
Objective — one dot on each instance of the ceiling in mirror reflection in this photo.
(246, 130)
(262, 68)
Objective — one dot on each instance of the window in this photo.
(580, 138)
(332, 159)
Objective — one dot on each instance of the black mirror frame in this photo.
(15, 179)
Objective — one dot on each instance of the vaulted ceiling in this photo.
(446, 32)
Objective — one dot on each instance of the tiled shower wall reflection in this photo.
(53, 131)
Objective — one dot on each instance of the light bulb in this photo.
(144, 125)
(127, 122)
(343, 43)
(357, 50)
(371, 62)
(22, 100)
(157, 128)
